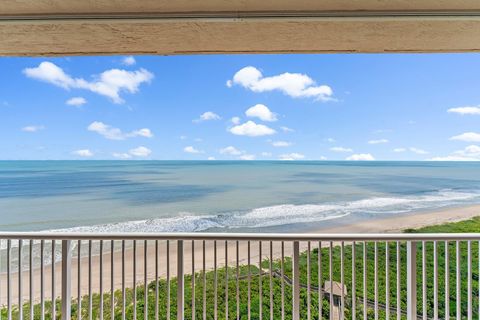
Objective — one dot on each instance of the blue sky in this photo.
(335, 107)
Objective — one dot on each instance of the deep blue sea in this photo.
(155, 196)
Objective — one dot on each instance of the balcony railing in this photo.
(239, 276)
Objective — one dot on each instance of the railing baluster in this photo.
(30, 256)
(354, 281)
(411, 280)
(435, 280)
(424, 280)
(387, 281)
(296, 281)
(342, 281)
(42, 280)
(238, 279)
(308, 282)
(180, 281)
(124, 296)
(134, 284)
(54, 296)
(260, 288)
(399, 306)
(101, 279)
(66, 279)
(226, 279)
(330, 270)
(193, 280)
(365, 307)
(282, 281)
(271, 280)
(249, 282)
(447, 281)
(320, 276)
(168, 279)
(9, 279)
(204, 283)
(112, 280)
(469, 280)
(90, 297)
(79, 280)
(215, 288)
(375, 278)
(145, 280)
(156, 281)
(20, 280)
(458, 289)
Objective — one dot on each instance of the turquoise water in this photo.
(223, 195)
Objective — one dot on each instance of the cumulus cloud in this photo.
(231, 150)
(121, 155)
(291, 156)
(330, 140)
(247, 157)
(379, 141)
(470, 153)
(76, 101)
(129, 61)
(465, 110)
(287, 129)
(207, 116)
(399, 150)
(280, 144)
(417, 150)
(110, 83)
(467, 136)
(360, 157)
(340, 149)
(191, 149)
(266, 154)
(295, 85)
(235, 120)
(262, 112)
(211, 158)
(140, 152)
(112, 133)
(85, 153)
(32, 128)
(252, 129)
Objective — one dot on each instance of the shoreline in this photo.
(391, 224)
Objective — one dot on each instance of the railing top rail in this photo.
(242, 236)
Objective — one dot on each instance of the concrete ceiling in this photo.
(88, 27)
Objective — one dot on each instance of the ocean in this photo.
(223, 196)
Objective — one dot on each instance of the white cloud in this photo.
(470, 153)
(235, 120)
(340, 149)
(262, 112)
(191, 149)
(465, 110)
(211, 158)
(467, 136)
(266, 154)
(76, 101)
(183, 137)
(85, 153)
(140, 152)
(252, 129)
(360, 157)
(295, 85)
(231, 150)
(399, 150)
(287, 129)
(379, 141)
(32, 128)
(417, 150)
(247, 157)
(330, 140)
(280, 144)
(109, 83)
(291, 156)
(122, 155)
(112, 133)
(129, 61)
(322, 158)
(207, 116)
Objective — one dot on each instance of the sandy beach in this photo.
(383, 225)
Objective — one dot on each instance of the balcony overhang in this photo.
(90, 27)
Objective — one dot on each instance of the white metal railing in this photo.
(239, 276)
